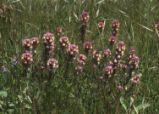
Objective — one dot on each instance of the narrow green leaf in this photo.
(123, 103)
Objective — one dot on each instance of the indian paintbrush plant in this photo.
(84, 19)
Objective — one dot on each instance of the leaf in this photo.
(27, 106)
(142, 106)
(123, 104)
(3, 94)
(100, 2)
(131, 101)
(10, 111)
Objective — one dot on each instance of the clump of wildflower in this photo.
(101, 26)
(97, 56)
(28, 44)
(112, 39)
(35, 42)
(59, 31)
(48, 40)
(82, 59)
(134, 63)
(107, 53)
(4, 69)
(87, 46)
(27, 59)
(108, 71)
(52, 64)
(136, 79)
(78, 69)
(72, 51)
(64, 42)
(84, 18)
(115, 27)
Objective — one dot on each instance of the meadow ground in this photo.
(31, 91)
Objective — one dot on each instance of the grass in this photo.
(30, 18)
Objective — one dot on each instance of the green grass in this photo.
(30, 18)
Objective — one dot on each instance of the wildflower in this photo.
(42, 68)
(82, 59)
(120, 88)
(124, 67)
(134, 63)
(112, 39)
(78, 69)
(115, 27)
(84, 17)
(52, 63)
(136, 79)
(107, 53)
(5, 69)
(72, 51)
(27, 59)
(87, 46)
(48, 40)
(81, 62)
(156, 26)
(27, 44)
(121, 46)
(94, 66)
(35, 42)
(59, 31)
(64, 42)
(97, 56)
(132, 53)
(108, 71)
(101, 26)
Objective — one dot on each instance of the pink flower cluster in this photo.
(101, 26)
(115, 27)
(59, 31)
(87, 46)
(97, 56)
(107, 53)
(30, 44)
(136, 79)
(27, 59)
(64, 42)
(48, 40)
(52, 63)
(82, 59)
(72, 51)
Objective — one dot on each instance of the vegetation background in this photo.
(28, 18)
